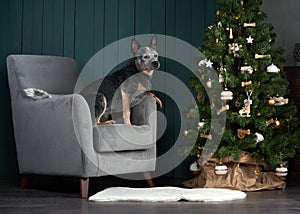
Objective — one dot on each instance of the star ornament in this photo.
(249, 40)
(209, 64)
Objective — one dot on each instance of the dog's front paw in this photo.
(106, 122)
(159, 102)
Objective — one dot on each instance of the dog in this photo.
(125, 88)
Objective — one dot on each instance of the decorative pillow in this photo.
(36, 94)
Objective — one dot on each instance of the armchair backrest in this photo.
(53, 74)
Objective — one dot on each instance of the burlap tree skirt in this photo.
(242, 175)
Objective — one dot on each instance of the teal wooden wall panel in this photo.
(111, 33)
(84, 31)
(47, 27)
(79, 29)
(99, 25)
(8, 164)
(28, 22)
(69, 28)
(198, 10)
(143, 17)
(14, 29)
(37, 29)
(58, 27)
(126, 18)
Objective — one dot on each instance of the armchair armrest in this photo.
(53, 132)
(142, 114)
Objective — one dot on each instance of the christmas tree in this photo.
(260, 118)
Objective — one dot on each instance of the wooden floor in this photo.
(61, 196)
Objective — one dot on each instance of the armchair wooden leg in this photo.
(148, 179)
(84, 187)
(24, 181)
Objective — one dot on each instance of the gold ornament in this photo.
(271, 101)
(219, 12)
(269, 122)
(246, 68)
(242, 133)
(277, 123)
(224, 108)
(230, 34)
(234, 48)
(257, 171)
(185, 133)
(221, 78)
(280, 101)
(209, 83)
(245, 111)
(250, 24)
(243, 84)
(207, 136)
(210, 27)
(221, 169)
(261, 56)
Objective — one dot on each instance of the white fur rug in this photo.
(167, 194)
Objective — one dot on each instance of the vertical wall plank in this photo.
(84, 31)
(47, 27)
(15, 46)
(69, 28)
(198, 22)
(15, 26)
(168, 138)
(158, 16)
(111, 34)
(111, 28)
(126, 18)
(210, 11)
(5, 139)
(143, 11)
(58, 25)
(37, 27)
(99, 25)
(28, 22)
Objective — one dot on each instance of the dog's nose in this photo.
(155, 64)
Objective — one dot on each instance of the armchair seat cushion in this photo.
(122, 137)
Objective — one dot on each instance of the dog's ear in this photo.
(153, 43)
(135, 45)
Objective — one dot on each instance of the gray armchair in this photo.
(58, 135)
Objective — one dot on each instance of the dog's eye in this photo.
(146, 56)
(155, 55)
